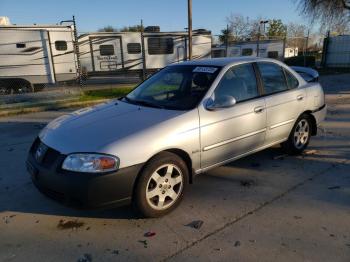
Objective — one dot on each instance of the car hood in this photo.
(91, 129)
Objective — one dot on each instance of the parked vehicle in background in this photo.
(336, 51)
(35, 55)
(267, 49)
(113, 52)
(182, 121)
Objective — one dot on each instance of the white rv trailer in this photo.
(108, 52)
(267, 49)
(36, 54)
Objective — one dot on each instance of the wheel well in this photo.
(181, 153)
(185, 157)
(313, 122)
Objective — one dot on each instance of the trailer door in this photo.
(107, 53)
(62, 54)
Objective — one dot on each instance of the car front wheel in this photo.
(161, 185)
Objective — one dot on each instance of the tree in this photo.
(254, 29)
(238, 26)
(226, 35)
(108, 28)
(332, 14)
(276, 29)
(134, 28)
(296, 35)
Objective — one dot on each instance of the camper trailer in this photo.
(35, 55)
(110, 52)
(267, 49)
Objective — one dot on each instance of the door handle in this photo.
(300, 97)
(259, 109)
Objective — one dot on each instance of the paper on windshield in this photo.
(205, 69)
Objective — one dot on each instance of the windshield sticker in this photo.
(202, 69)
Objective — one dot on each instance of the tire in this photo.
(161, 185)
(299, 137)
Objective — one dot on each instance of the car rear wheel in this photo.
(161, 185)
(299, 137)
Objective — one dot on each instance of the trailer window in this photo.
(160, 46)
(20, 45)
(134, 48)
(106, 50)
(272, 54)
(61, 45)
(247, 52)
(217, 53)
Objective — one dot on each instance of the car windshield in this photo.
(178, 87)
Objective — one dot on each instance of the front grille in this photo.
(50, 156)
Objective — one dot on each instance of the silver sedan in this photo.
(147, 147)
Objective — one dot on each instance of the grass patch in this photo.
(109, 93)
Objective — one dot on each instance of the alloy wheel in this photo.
(301, 134)
(164, 187)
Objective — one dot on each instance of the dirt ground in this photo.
(265, 207)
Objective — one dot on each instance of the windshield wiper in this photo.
(142, 103)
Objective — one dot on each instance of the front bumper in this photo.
(82, 190)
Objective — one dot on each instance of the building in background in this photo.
(36, 54)
(267, 48)
(291, 52)
(113, 52)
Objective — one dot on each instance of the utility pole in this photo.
(306, 46)
(143, 53)
(189, 3)
(76, 49)
(226, 40)
(258, 42)
(259, 33)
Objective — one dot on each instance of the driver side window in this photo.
(238, 82)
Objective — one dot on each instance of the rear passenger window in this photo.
(239, 82)
(106, 50)
(273, 78)
(291, 80)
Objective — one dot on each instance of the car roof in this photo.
(224, 61)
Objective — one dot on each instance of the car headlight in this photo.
(90, 163)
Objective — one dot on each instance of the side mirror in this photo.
(220, 103)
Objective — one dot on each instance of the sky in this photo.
(169, 15)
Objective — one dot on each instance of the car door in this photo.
(284, 100)
(227, 133)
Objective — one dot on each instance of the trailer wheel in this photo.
(18, 86)
(3, 87)
(25, 87)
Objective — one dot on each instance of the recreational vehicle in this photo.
(267, 49)
(108, 52)
(35, 55)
